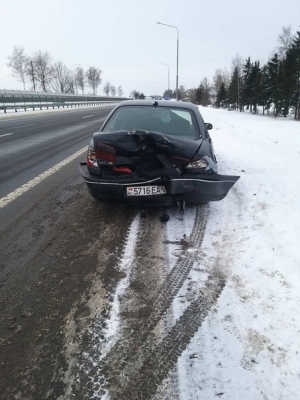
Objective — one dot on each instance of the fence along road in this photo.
(15, 99)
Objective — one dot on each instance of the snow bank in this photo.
(249, 345)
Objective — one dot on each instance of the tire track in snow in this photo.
(163, 357)
(130, 351)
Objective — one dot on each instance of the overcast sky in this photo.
(121, 37)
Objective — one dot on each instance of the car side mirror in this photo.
(208, 126)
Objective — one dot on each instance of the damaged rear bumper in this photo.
(198, 188)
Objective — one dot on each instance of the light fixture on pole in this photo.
(168, 75)
(75, 65)
(172, 26)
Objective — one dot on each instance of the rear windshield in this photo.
(173, 121)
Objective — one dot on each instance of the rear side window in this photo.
(173, 121)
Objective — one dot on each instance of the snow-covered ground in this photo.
(249, 345)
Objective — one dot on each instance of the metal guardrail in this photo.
(15, 99)
(40, 106)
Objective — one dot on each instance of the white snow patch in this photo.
(126, 265)
(178, 228)
(248, 347)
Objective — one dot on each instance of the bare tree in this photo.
(207, 91)
(190, 94)
(237, 62)
(221, 76)
(120, 91)
(18, 62)
(62, 80)
(30, 73)
(113, 90)
(93, 75)
(135, 94)
(182, 93)
(107, 88)
(217, 79)
(42, 68)
(285, 41)
(80, 78)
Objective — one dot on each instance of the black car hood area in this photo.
(136, 145)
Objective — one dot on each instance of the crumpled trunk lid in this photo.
(136, 147)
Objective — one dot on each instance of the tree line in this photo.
(273, 86)
(42, 73)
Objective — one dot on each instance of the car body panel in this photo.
(128, 145)
(196, 189)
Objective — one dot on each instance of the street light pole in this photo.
(172, 26)
(168, 75)
(75, 65)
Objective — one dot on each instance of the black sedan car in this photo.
(154, 153)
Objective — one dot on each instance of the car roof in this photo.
(160, 103)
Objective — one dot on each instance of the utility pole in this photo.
(32, 74)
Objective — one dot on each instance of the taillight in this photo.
(91, 158)
(104, 152)
(205, 165)
(202, 163)
(180, 160)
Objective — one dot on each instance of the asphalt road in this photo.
(31, 144)
(46, 239)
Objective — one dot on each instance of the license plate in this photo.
(145, 190)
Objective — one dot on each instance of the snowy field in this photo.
(248, 347)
